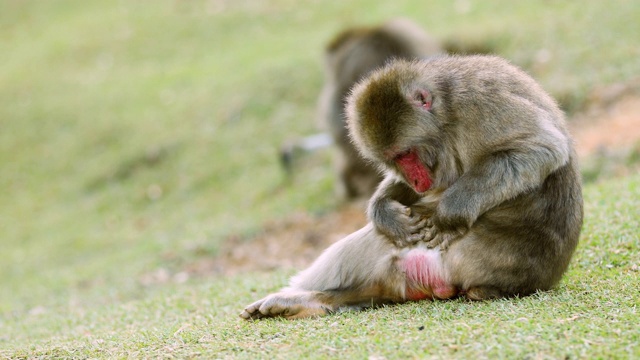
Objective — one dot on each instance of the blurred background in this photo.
(139, 139)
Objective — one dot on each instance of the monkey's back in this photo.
(525, 243)
(496, 147)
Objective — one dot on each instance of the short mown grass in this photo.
(592, 314)
(137, 136)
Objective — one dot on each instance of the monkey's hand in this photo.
(448, 222)
(437, 235)
(400, 224)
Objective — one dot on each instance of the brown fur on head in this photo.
(391, 113)
(386, 115)
(349, 57)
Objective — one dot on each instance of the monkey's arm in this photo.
(498, 177)
(390, 212)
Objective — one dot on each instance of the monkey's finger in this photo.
(417, 224)
(429, 222)
(406, 211)
(432, 244)
(444, 244)
(415, 238)
(429, 234)
(400, 242)
(447, 239)
(436, 241)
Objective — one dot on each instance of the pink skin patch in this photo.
(425, 276)
(414, 171)
(423, 99)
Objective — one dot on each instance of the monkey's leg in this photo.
(356, 270)
(361, 270)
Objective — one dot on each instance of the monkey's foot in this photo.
(484, 293)
(287, 304)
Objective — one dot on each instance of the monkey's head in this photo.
(393, 120)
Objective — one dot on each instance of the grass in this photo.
(137, 136)
(592, 314)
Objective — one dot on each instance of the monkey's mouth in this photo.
(414, 171)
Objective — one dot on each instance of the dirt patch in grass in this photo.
(291, 243)
(610, 123)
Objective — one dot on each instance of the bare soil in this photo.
(610, 122)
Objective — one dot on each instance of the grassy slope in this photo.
(137, 135)
(592, 314)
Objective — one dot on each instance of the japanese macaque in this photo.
(481, 197)
(349, 57)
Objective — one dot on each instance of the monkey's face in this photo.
(391, 120)
(414, 171)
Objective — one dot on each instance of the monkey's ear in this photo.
(423, 99)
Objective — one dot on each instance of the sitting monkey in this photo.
(481, 196)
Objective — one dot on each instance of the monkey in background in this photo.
(481, 196)
(349, 57)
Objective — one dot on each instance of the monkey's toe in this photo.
(289, 306)
(445, 291)
(484, 293)
(249, 314)
(430, 236)
(252, 312)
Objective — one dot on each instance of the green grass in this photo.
(138, 136)
(592, 314)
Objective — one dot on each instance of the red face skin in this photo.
(416, 174)
(414, 171)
